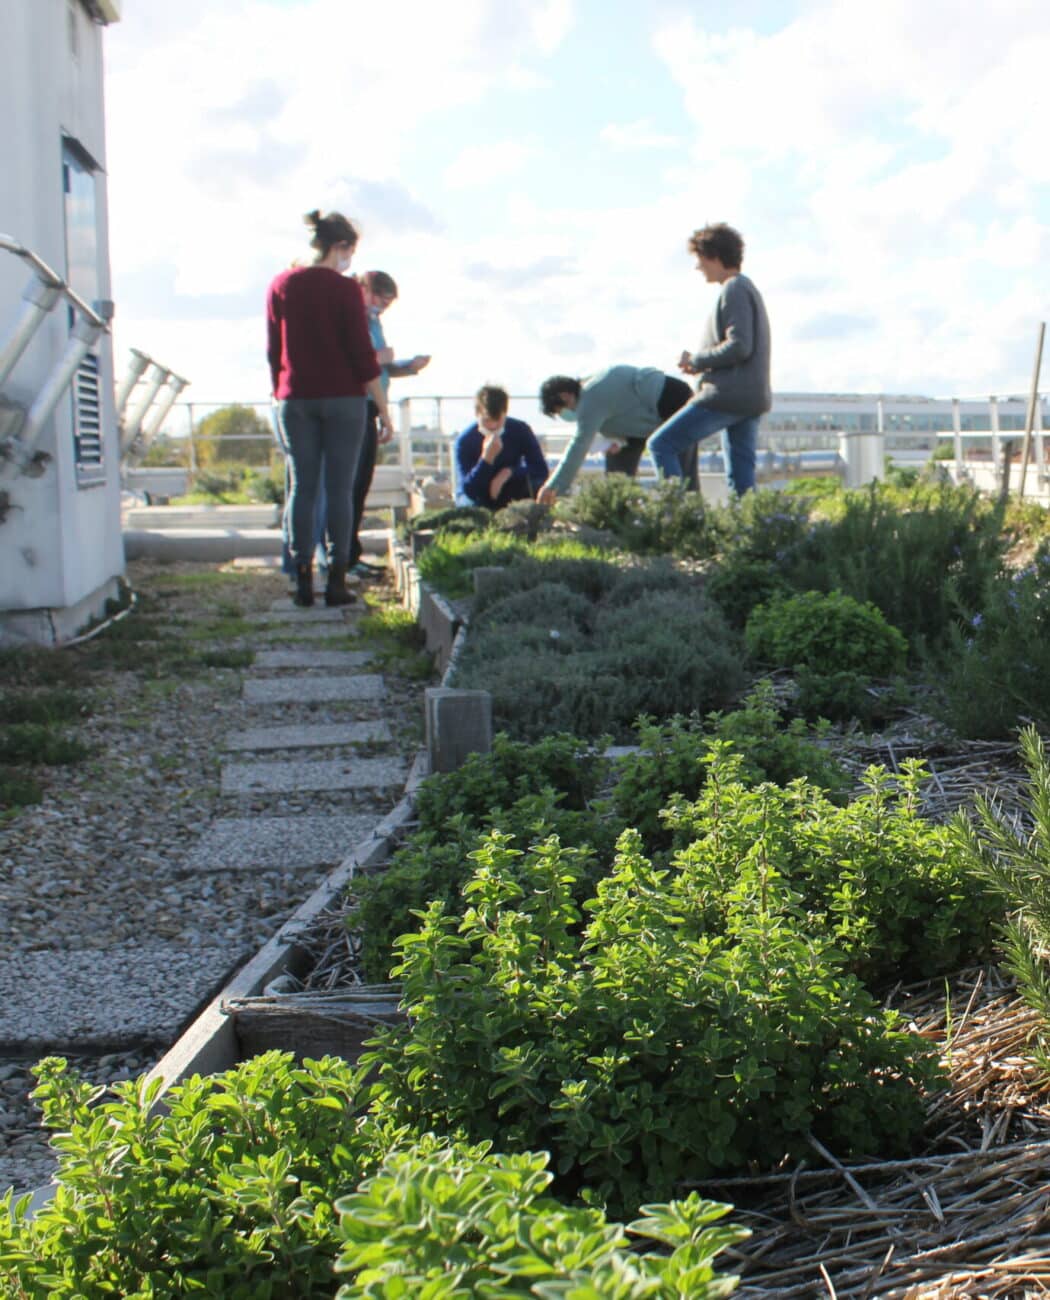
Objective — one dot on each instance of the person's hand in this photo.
(385, 356)
(419, 363)
(546, 496)
(685, 364)
(491, 447)
(499, 482)
(386, 428)
(613, 447)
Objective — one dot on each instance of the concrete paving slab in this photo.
(310, 736)
(106, 997)
(293, 614)
(289, 634)
(312, 690)
(269, 843)
(294, 658)
(284, 604)
(312, 774)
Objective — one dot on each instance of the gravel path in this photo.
(104, 866)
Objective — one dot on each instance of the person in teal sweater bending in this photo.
(624, 404)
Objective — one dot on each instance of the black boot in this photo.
(335, 593)
(304, 585)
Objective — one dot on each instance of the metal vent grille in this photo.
(87, 418)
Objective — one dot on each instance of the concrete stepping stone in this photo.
(278, 843)
(106, 997)
(285, 605)
(312, 774)
(293, 614)
(312, 690)
(289, 634)
(293, 658)
(310, 736)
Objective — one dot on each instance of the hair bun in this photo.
(313, 219)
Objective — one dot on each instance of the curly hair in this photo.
(719, 241)
(552, 389)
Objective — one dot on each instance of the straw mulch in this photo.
(969, 1218)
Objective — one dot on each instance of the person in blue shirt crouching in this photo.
(498, 459)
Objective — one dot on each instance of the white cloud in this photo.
(640, 134)
(886, 165)
(477, 166)
(895, 151)
(552, 20)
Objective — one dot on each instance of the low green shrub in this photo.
(553, 662)
(672, 759)
(276, 1180)
(878, 880)
(847, 696)
(1017, 868)
(511, 770)
(462, 1222)
(513, 787)
(921, 556)
(996, 666)
(638, 1051)
(448, 562)
(450, 519)
(229, 1193)
(434, 866)
(662, 520)
(827, 633)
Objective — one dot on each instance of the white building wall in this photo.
(61, 551)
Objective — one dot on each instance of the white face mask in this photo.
(342, 264)
(566, 414)
(493, 433)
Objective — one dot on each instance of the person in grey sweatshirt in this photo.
(732, 365)
(623, 404)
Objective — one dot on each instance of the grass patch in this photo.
(44, 707)
(18, 791)
(397, 641)
(228, 628)
(204, 580)
(38, 667)
(226, 658)
(33, 742)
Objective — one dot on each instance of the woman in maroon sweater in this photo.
(322, 363)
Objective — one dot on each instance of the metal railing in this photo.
(428, 426)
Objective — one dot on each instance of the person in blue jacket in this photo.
(498, 459)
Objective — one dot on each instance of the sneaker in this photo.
(363, 569)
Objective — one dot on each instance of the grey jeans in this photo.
(324, 431)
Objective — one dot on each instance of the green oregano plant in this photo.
(889, 888)
(274, 1180)
(464, 1222)
(637, 1048)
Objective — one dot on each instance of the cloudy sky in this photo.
(529, 171)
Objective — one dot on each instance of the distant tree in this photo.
(218, 437)
(166, 450)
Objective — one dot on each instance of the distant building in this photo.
(61, 553)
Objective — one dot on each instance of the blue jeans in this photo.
(695, 422)
(324, 436)
(320, 511)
